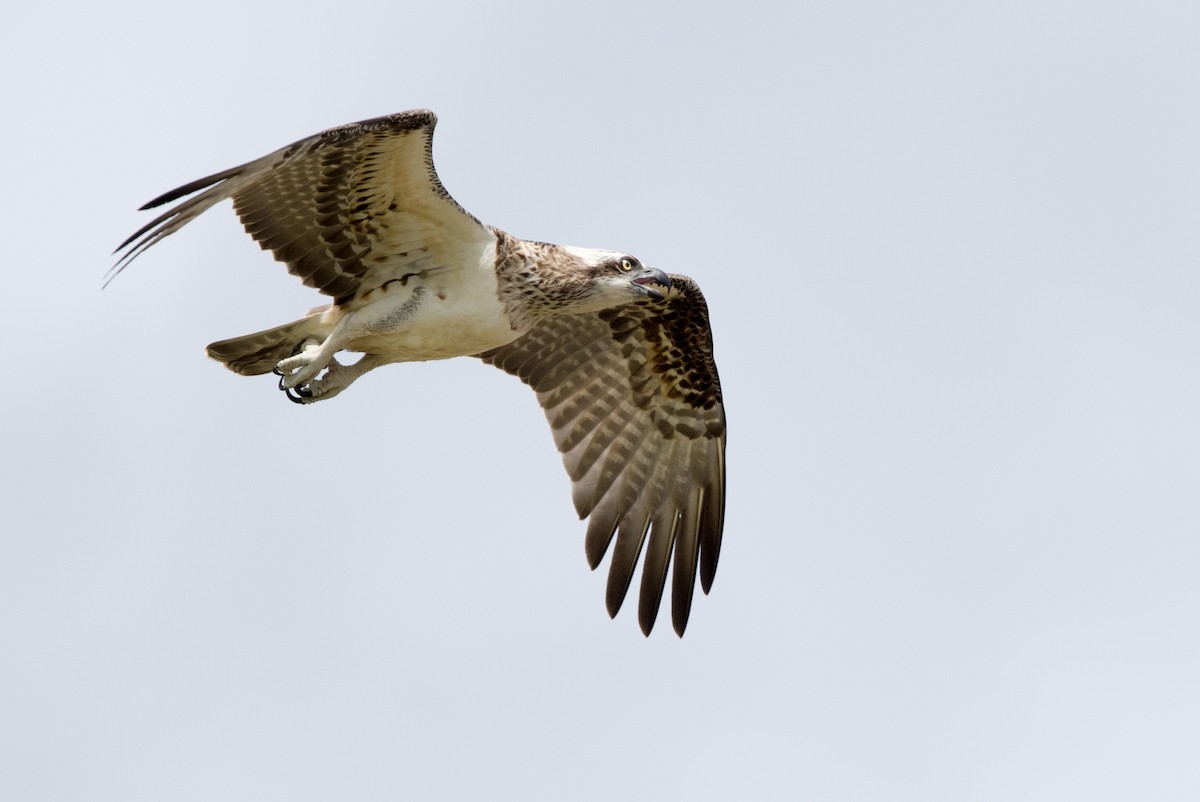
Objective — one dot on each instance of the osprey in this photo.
(618, 353)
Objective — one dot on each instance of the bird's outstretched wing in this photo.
(634, 401)
(347, 209)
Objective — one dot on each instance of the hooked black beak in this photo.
(654, 282)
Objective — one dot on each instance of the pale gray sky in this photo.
(952, 260)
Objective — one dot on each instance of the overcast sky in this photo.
(952, 262)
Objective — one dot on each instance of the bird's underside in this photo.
(619, 354)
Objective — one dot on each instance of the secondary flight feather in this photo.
(619, 353)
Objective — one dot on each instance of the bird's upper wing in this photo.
(634, 401)
(347, 209)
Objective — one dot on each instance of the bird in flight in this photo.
(619, 353)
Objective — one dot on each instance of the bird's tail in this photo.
(254, 354)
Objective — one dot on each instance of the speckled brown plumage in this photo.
(536, 280)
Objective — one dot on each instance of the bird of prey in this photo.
(619, 353)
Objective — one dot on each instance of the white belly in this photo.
(440, 315)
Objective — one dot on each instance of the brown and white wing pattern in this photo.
(634, 401)
(347, 209)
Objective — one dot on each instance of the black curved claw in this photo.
(296, 397)
(281, 378)
(277, 371)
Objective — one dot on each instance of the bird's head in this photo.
(619, 278)
(648, 282)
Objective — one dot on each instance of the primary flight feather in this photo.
(618, 353)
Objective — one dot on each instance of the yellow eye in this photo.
(627, 264)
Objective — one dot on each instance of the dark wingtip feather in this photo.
(654, 568)
(648, 604)
(189, 188)
(712, 525)
(615, 591)
(599, 535)
(709, 551)
(628, 548)
(683, 573)
(687, 551)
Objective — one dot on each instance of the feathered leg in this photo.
(300, 371)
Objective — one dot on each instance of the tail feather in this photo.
(258, 353)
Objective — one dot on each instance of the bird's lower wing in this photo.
(634, 401)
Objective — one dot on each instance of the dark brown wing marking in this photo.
(347, 209)
(634, 401)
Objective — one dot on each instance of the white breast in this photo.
(438, 315)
